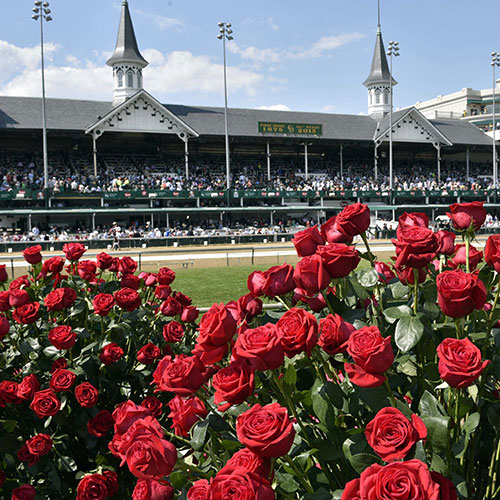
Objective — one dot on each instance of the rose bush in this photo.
(373, 381)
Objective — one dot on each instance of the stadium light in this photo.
(495, 61)
(393, 50)
(225, 34)
(42, 12)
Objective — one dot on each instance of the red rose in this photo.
(62, 380)
(413, 219)
(339, 259)
(163, 292)
(446, 242)
(4, 301)
(150, 279)
(233, 384)
(87, 270)
(127, 299)
(298, 331)
(110, 353)
(45, 403)
(127, 265)
(385, 273)
(24, 455)
(351, 490)
(459, 362)
(405, 480)
(460, 257)
(148, 353)
(372, 355)
(149, 489)
(32, 254)
(153, 404)
(103, 303)
(334, 334)
(54, 265)
(199, 491)
(92, 487)
(150, 457)
(115, 262)
(21, 282)
(311, 274)
(165, 276)
(459, 293)
(491, 252)
(392, 435)
(249, 306)
(58, 364)
(238, 483)
(261, 346)
(464, 214)
(182, 375)
(4, 327)
(173, 332)
(170, 307)
(279, 280)
(189, 314)
(24, 492)
(126, 414)
(184, 300)
(74, 251)
(251, 462)
(39, 445)
(332, 234)
(446, 487)
(28, 386)
(185, 412)
(266, 430)
(407, 276)
(101, 424)
(59, 299)
(3, 273)
(86, 394)
(415, 247)
(306, 241)
(9, 392)
(354, 219)
(104, 261)
(130, 281)
(62, 337)
(26, 314)
(18, 298)
(256, 282)
(111, 482)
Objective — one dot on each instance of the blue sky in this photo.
(300, 55)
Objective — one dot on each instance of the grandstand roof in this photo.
(126, 49)
(24, 113)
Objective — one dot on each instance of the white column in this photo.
(306, 160)
(467, 160)
(186, 156)
(94, 151)
(268, 156)
(341, 162)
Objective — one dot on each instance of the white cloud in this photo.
(275, 107)
(254, 54)
(325, 44)
(178, 71)
(271, 23)
(164, 23)
(328, 108)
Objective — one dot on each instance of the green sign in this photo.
(290, 128)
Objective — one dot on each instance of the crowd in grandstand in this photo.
(209, 174)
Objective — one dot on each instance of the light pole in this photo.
(393, 50)
(225, 33)
(495, 61)
(42, 11)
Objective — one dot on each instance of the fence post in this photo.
(227, 258)
(140, 261)
(253, 252)
(12, 267)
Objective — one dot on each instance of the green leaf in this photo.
(68, 463)
(368, 277)
(178, 479)
(437, 431)
(409, 331)
(471, 423)
(359, 290)
(9, 425)
(394, 313)
(287, 483)
(356, 451)
(290, 377)
(430, 406)
(398, 290)
(320, 494)
(199, 434)
(439, 465)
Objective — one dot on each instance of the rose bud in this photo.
(4, 301)
(130, 281)
(165, 276)
(170, 307)
(127, 265)
(148, 353)
(87, 270)
(163, 292)
(339, 259)
(306, 241)
(279, 280)
(311, 274)
(354, 219)
(464, 214)
(413, 219)
(21, 282)
(460, 258)
(86, 394)
(74, 251)
(446, 241)
(189, 314)
(334, 334)
(331, 233)
(256, 282)
(3, 274)
(92, 486)
(32, 254)
(385, 274)
(492, 252)
(4, 327)
(104, 261)
(58, 364)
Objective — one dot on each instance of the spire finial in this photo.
(378, 24)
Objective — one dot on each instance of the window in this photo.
(386, 97)
(139, 79)
(377, 96)
(130, 78)
(119, 74)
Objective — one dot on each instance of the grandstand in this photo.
(135, 160)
